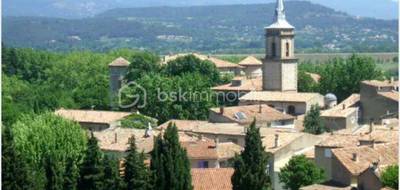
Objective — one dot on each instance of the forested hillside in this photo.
(214, 29)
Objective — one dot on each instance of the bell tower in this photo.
(280, 65)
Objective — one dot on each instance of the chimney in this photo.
(259, 108)
(200, 137)
(391, 80)
(149, 131)
(115, 138)
(354, 157)
(374, 166)
(276, 140)
(371, 127)
(344, 106)
(221, 110)
(216, 141)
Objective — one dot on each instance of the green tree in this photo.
(14, 171)
(306, 83)
(137, 175)
(71, 175)
(342, 77)
(92, 170)
(390, 177)
(251, 165)
(300, 171)
(191, 64)
(54, 174)
(112, 179)
(313, 122)
(142, 64)
(169, 162)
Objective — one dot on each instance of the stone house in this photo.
(281, 144)
(117, 71)
(378, 100)
(292, 103)
(239, 86)
(350, 163)
(244, 115)
(252, 67)
(93, 120)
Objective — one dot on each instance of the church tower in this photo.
(280, 65)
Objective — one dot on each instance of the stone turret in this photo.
(117, 69)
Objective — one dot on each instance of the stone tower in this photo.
(280, 65)
(117, 69)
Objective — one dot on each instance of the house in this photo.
(206, 153)
(238, 87)
(92, 119)
(224, 67)
(293, 103)
(212, 178)
(252, 67)
(350, 163)
(244, 115)
(342, 116)
(281, 144)
(364, 136)
(370, 179)
(379, 99)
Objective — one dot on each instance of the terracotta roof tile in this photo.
(202, 149)
(269, 96)
(384, 154)
(217, 62)
(92, 116)
(377, 83)
(228, 150)
(119, 62)
(267, 113)
(250, 60)
(246, 85)
(393, 95)
(212, 178)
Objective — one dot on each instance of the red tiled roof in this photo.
(212, 178)
(247, 85)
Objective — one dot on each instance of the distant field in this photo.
(316, 57)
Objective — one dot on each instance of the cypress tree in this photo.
(313, 122)
(71, 175)
(112, 179)
(53, 173)
(250, 166)
(15, 171)
(137, 175)
(170, 163)
(91, 171)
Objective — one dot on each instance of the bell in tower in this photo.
(280, 64)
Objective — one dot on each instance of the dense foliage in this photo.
(313, 122)
(15, 172)
(138, 121)
(137, 175)
(251, 165)
(169, 164)
(112, 178)
(205, 28)
(390, 177)
(300, 171)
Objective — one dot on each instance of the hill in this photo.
(214, 29)
(384, 9)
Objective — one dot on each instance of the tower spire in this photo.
(279, 11)
(280, 17)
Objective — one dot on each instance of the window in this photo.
(287, 49)
(273, 49)
(291, 110)
(203, 164)
(327, 153)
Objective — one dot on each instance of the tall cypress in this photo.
(250, 166)
(53, 173)
(169, 162)
(71, 175)
(15, 170)
(112, 179)
(91, 171)
(137, 175)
